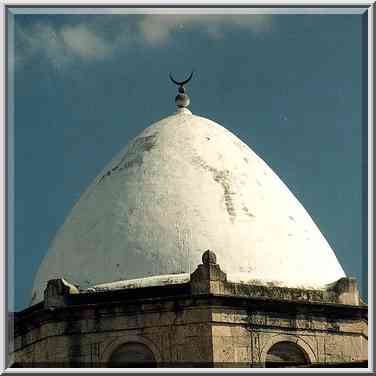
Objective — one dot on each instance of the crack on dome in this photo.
(134, 154)
(221, 177)
(247, 212)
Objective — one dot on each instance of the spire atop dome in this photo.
(182, 100)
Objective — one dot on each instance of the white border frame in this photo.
(3, 191)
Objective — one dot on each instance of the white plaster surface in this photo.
(159, 280)
(184, 185)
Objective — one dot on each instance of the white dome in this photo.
(184, 185)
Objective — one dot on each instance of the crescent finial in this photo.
(182, 99)
(181, 83)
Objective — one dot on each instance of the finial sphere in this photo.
(182, 100)
(209, 257)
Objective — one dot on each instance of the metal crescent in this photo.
(181, 83)
(172, 79)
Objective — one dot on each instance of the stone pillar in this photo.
(347, 291)
(57, 292)
(208, 278)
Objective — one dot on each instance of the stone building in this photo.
(129, 278)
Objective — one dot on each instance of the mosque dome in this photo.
(184, 185)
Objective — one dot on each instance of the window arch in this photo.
(132, 354)
(286, 354)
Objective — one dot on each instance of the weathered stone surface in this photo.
(199, 324)
(347, 291)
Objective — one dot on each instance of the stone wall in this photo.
(239, 336)
(206, 322)
(225, 336)
(172, 334)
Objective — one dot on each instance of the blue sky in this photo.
(290, 86)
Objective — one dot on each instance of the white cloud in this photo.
(84, 43)
(88, 42)
(61, 46)
(39, 38)
(44, 38)
(158, 29)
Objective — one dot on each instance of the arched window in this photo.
(286, 354)
(132, 354)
